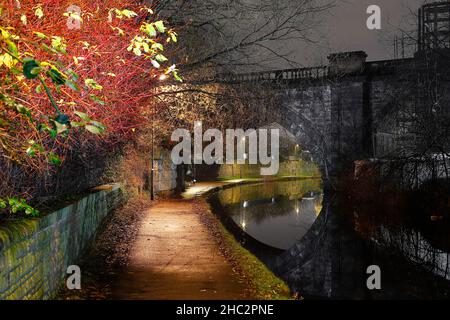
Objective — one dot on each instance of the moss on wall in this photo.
(294, 168)
(35, 254)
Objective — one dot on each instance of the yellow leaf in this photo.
(85, 44)
(147, 9)
(23, 18)
(7, 60)
(137, 51)
(119, 31)
(39, 12)
(5, 34)
(145, 47)
(73, 15)
(46, 64)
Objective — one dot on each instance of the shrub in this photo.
(75, 80)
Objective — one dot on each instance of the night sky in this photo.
(343, 28)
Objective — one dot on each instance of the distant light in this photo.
(245, 204)
(243, 138)
(162, 77)
(244, 225)
(245, 156)
(194, 181)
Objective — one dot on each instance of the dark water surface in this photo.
(323, 250)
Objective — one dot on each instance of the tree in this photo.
(242, 35)
(74, 80)
(228, 37)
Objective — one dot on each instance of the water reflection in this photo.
(326, 244)
(276, 214)
(332, 259)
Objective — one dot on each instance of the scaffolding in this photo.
(434, 26)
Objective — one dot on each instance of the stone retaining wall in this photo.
(165, 173)
(35, 253)
(287, 168)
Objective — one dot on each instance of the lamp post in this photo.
(161, 78)
(244, 156)
(152, 165)
(152, 195)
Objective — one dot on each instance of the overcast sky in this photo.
(344, 29)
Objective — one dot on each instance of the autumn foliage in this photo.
(75, 74)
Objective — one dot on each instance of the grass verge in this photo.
(264, 285)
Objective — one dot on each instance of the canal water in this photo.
(322, 246)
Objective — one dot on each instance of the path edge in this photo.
(263, 283)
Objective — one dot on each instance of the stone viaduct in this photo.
(353, 109)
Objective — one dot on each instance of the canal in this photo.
(321, 244)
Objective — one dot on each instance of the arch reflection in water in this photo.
(275, 214)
